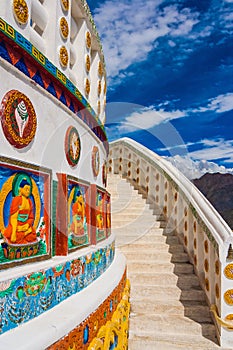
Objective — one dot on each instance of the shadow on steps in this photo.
(192, 296)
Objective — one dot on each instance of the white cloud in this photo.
(214, 150)
(129, 29)
(195, 169)
(147, 118)
(219, 104)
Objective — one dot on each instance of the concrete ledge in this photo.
(52, 325)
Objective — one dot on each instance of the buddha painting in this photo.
(77, 215)
(99, 215)
(20, 228)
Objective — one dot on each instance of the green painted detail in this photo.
(8, 290)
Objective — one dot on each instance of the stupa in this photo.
(62, 283)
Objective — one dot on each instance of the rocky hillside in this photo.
(218, 188)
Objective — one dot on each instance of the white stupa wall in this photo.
(43, 31)
(53, 119)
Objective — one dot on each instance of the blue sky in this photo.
(170, 74)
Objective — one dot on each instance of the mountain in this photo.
(218, 189)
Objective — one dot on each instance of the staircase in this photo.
(168, 307)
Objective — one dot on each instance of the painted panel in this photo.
(24, 212)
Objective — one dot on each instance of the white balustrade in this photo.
(206, 236)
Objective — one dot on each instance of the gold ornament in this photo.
(87, 87)
(88, 63)
(99, 108)
(100, 69)
(65, 4)
(228, 296)
(88, 40)
(105, 87)
(63, 56)
(99, 87)
(20, 9)
(228, 271)
(64, 28)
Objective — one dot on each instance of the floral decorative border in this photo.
(26, 297)
(85, 333)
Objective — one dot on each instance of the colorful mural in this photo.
(78, 215)
(100, 222)
(26, 297)
(24, 211)
(108, 213)
(113, 311)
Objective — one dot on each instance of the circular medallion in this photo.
(228, 271)
(100, 69)
(229, 317)
(63, 56)
(18, 118)
(64, 28)
(20, 9)
(228, 296)
(87, 86)
(65, 4)
(72, 146)
(95, 161)
(88, 63)
(88, 40)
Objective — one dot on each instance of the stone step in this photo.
(125, 210)
(182, 281)
(151, 247)
(168, 306)
(139, 292)
(138, 217)
(134, 228)
(148, 237)
(157, 256)
(133, 216)
(171, 342)
(141, 267)
(142, 325)
(196, 312)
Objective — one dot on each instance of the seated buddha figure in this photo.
(20, 229)
(78, 214)
(99, 213)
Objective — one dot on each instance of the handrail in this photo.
(225, 323)
(220, 230)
